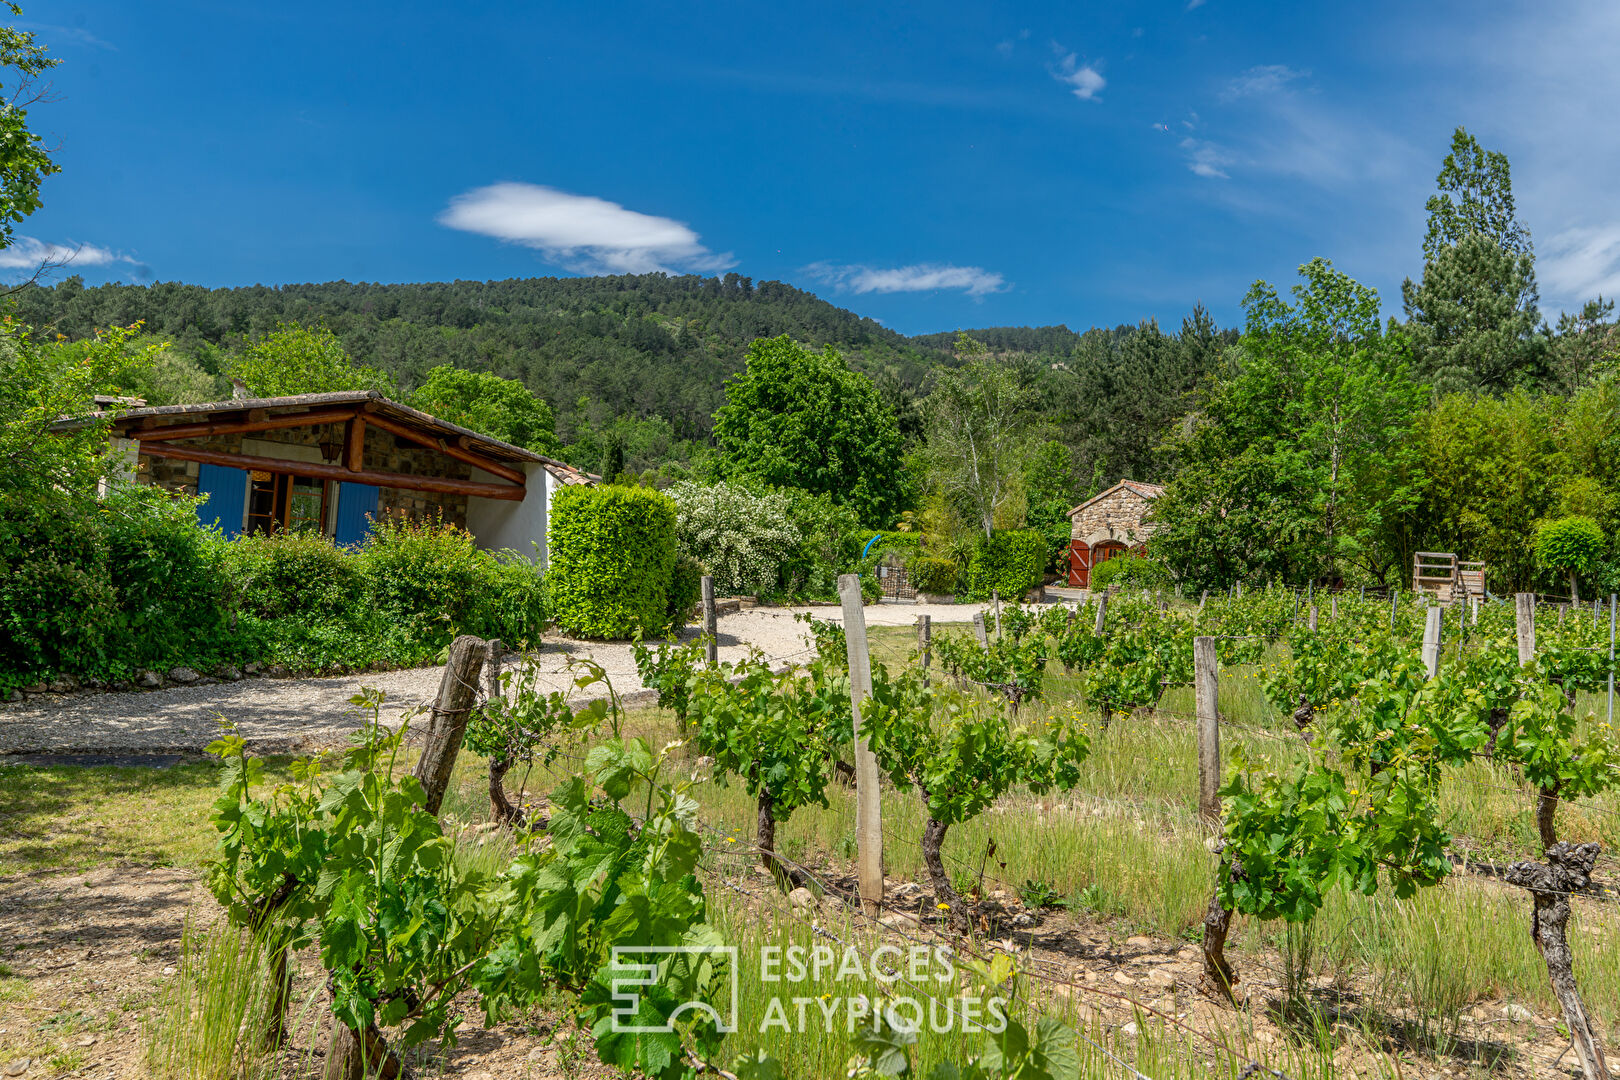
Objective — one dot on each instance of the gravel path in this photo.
(293, 715)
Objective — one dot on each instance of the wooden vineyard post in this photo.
(1394, 606)
(1102, 615)
(711, 622)
(1431, 640)
(925, 635)
(1473, 610)
(995, 599)
(1524, 611)
(492, 673)
(458, 690)
(1296, 607)
(1312, 617)
(868, 796)
(1612, 599)
(1202, 600)
(1206, 688)
(1333, 607)
(978, 630)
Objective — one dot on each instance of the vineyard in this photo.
(1413, 810)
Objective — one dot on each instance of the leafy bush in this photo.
(302, 576)
(1010, 562)
(1569, 546)
(931, 575)
(742, 536)
(1131, 572)
(685, 590)
(612, 560)
(829, 543)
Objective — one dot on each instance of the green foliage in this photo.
(930, 575)
(24, 161)
(612, 560)
(685, 590)
(1570, 545)
(300, 576)
(1010, 562)
(980, 423)
(1131, 572)
(295, 359)
(1473, 319)
(1300, 462)
(489, 404)
(802, 419)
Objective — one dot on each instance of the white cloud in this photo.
(919, 277)
(27, 253)
(1206, 158)
(581, 232)
(1193, 5)
(1264, 79)
(1581, 262)
(1085, 81)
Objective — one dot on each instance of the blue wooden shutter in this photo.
(355, 501)
(227, 497)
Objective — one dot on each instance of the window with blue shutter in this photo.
(357, 504)
(226, 490)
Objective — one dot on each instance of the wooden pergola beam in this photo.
(450, 448)
(323, 471)
(242, 427)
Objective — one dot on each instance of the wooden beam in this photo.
(393, 427)
(239, 427)
(322, 471)
(354, 455)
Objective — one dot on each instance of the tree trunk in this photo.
(1567, 869)
(458, 690)
(1219, 977)
(274, 1031)
(933, 839)
(1494, 720)
(1546, 811)
(1574, 593)
(353, 1056)
(786, 877)
(501, 809)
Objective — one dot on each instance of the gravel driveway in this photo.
(293, 715)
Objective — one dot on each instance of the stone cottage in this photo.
(1108, 525)
(333, 463)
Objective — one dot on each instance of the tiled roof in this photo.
(1136, 487)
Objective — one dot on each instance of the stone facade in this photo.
(384, 453)
(1118, 514)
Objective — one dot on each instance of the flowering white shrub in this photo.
(742, 537)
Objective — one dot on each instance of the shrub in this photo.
(56, 598)
(829, 543)
(742, 536)
(1569, 546)
(168, 579)
(300, 576)
(1010, 562)
(685, 590)
(1131, 572)
(930, 575)
(612, 560)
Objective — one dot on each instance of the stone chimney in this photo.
(239, 390)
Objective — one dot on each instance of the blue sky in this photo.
(932, 165)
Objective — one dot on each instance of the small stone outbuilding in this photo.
(1108, 525)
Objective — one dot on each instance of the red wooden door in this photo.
(1079, 563)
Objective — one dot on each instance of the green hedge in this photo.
(612, 560)
(685, 590)
(1131, 572)
(1010, 562)
(930, 575)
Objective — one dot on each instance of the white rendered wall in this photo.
(516, 524)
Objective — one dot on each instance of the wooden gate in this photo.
(1079, 564)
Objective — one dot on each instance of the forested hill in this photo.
(645, 345)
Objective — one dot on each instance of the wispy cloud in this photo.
(1581, 262)
(50, 35)
(1084, 81)
(919, 277)
(581, 232)
(1206, 158)
(27, 253)
(1264, 79)
(1194, 4)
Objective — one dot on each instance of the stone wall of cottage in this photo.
(1118, 516)
(384, 453)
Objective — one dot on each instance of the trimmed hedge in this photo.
(612, 560)
(930, 575)
(1131, 572)
(1010, 562)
